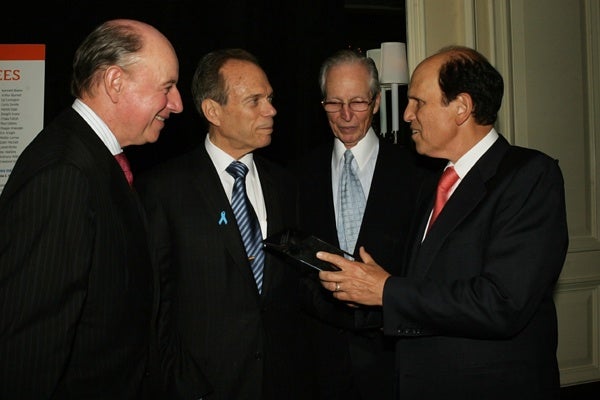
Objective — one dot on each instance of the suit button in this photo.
(258, 356)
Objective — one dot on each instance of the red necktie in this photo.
(448, 179)
(124, 163)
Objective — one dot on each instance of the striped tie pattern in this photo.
(352, 204)
(247, 221)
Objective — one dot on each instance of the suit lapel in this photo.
(205, 179)
(278, 193)
(376, 206)
(463, 201)
(419, 222)
(324, 185)
(96, 158)
(272, 202)
(273, 208)
(321, 185)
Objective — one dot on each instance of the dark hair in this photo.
(208, 81)
(111, 43)
(350, 57)
(468, 71)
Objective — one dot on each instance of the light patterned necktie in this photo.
(352, 204)
(124, 163)
(247, 221)
(447, 180)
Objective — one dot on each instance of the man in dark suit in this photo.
(358, 361)
(473, 311)
(222, 335)
(76, 283)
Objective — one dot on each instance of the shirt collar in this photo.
(221, 159)
(464, 164)
(362, 151)
(98, 126)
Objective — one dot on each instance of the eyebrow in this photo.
(354, 98)
(256, 96)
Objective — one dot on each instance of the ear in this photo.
(377, 103)
(113, 80)
(464, 107)
(212, 111)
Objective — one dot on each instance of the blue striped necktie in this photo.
(247, 221)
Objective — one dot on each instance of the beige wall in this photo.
(549, 54)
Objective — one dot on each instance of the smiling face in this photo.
(245, 122)
(149, 92)
(346, 83)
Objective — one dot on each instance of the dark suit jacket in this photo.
(75, 273)
(220, 338)
(475, 313)
(359, 360)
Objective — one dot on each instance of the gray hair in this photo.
(350, 57)
(111, 43)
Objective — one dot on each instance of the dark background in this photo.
(291, 38)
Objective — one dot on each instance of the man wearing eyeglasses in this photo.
(359, 361)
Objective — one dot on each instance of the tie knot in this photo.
(237, 169)
(348, 157)
(448, 179)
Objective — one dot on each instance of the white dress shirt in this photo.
(221, 161)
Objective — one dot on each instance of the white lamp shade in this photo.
(375, 55)
(394, 67)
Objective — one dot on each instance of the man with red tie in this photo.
(76, 279)
(472, 311)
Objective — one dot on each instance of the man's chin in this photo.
(150, 137)
(350, 140)
(264, 141)
(419, 146)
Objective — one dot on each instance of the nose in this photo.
(409, 113)
(270, 109)
(346, 112)
(174, 102)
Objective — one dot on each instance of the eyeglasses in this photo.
(355, 105)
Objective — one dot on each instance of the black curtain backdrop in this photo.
(291, 38)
